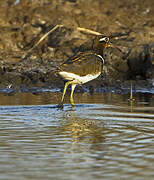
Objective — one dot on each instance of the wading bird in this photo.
(83, 67)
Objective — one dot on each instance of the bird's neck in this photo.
(99, 49)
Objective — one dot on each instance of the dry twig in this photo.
(88, 31)
(82, 30)
(45, 35)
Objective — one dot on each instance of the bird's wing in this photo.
(83, 64)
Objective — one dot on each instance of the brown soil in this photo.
(130, 24)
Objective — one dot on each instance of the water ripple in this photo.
(90, 141)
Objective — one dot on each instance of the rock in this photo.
(140, 62)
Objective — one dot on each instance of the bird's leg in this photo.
(66, 85)
(60, 105)
(71, 96)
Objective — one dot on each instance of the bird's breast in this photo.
(77, 79)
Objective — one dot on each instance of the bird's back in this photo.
(83, 64)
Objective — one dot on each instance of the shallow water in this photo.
(103, 137)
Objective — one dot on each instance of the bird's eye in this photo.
(106, 39)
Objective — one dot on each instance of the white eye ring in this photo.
(106, 39)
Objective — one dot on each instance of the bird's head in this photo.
(100, 43)
(103, 43)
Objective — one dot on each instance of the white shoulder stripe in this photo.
(101, 58)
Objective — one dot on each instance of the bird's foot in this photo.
(60, 105)
(72, 102)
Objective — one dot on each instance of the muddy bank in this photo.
(130, 25)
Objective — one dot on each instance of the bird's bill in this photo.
(113, 46)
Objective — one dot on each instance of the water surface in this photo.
(102, 137)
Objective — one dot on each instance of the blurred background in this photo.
(130, 24)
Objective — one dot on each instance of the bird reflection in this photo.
(83, 131)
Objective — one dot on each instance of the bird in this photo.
(83, 67)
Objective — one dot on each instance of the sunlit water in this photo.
(103, 137)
